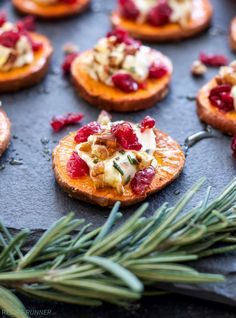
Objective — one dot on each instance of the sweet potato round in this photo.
(232, 35)
(170, 158)
(199, 21)
(111, 98)
(56, 11)
(226, 122)
(31, 74)
(5, 131)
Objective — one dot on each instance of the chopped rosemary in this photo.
(122, 152)
(118, 168)
(132, 161)
(95, 161)
(117, 158)
(127, 180)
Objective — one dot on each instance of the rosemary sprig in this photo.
(117, 265)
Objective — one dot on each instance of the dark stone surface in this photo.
(29, 196)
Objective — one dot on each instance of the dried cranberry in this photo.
(142, 180)
(77, 167)
(86, 131)
(233, 145)
(3, 18)
(60, 122)
(9, 39)
(69, 58)
(142, 85)
(157, 70)
(213, 60)
(27, 24)
(125, 82)
(36, 46)
(221, 98)
(122, 36)
(128, 9)
(147, 123)
(126, 136)
(160, 14)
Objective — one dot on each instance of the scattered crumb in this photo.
(198, 68)
(69, 48)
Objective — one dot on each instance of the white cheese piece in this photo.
(233, 93)
(181, 10)
(4, 55)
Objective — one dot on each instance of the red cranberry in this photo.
(77, 167)
(3, 18)
(60, 122)
(233, 145)
(9, 39)
(142, 180)
(122, 36)
(160, 14)
(125, 82)
(126, 136)
(69, 59)
(128, 9)
(213, 60)
(147, 123)
(36, 46)
(142, 85)
(27, 24)
(220, 97)
(86, 131)
(157, 70)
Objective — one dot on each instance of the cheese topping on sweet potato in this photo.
(111, 163)
(157, 12)
(15, 48)
(227, 76)
(119, 55)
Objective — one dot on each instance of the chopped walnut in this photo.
(198, 68)
(70, 48)
(100, 152)
(85, 146)
(227, 75)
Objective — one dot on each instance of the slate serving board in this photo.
(29, 196)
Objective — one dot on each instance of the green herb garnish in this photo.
(122, 152)
(121, 264)
(95, 161)
(118, 168)
(127, 180)
(132, 161)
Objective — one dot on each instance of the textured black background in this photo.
(29, 196)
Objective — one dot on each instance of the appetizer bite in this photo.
(120, 74)
(5, 131)
(162, 20)
(216, 101)
(232, 35)
(24, 55)
(51, 9)
(104, 162)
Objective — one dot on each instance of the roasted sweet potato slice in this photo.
(226, 122)
(111, 98)
(56, 11)
(28, 75)
(232, 35)
(169, 155)
(200, 20)
(5, 131)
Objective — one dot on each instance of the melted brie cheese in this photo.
(23, 53)
(108, 59)
(117, 178)
(233, 93)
